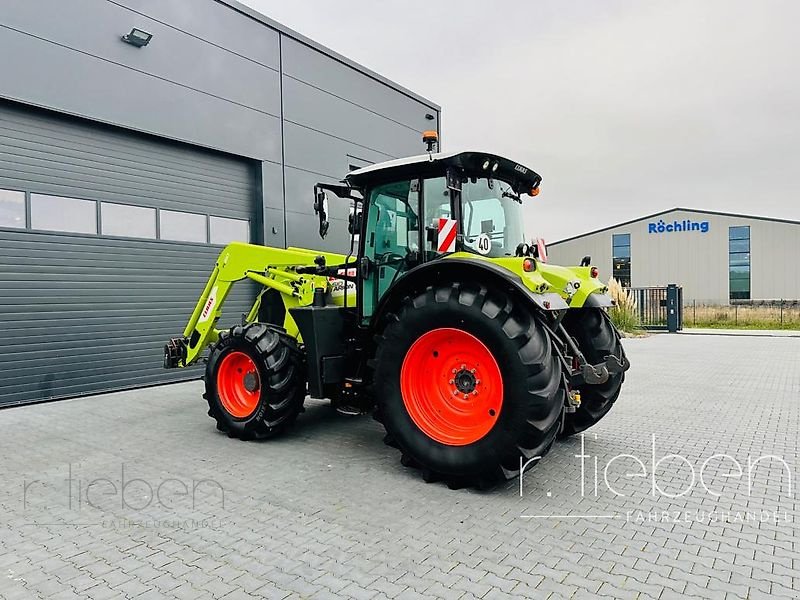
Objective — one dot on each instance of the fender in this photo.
(466, 270)
(598, 300)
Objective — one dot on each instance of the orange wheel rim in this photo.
(451, 386)
(238, 384)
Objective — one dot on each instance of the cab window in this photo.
(392, 237)
(489, 212)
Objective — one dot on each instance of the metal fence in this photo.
(753, 314)
(654, 304)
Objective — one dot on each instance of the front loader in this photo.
(472, 351)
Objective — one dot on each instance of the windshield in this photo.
(493, 223)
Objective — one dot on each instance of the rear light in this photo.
(594, 272)
(528, 265)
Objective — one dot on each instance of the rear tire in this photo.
(597, 338)
(255, 381)
(483, 439)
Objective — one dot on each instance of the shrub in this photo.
(623, 314)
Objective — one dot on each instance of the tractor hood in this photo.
(478, 164)
(563, 287)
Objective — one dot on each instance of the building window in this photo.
(621, 258)
(54, 213)
(12, 209)
(182, 226)
(739, 262)
(224, 231)
(127, 221)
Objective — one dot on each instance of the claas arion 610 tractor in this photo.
(472, 351)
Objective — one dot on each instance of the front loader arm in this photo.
(273, 268)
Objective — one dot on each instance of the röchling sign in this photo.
(685, 225)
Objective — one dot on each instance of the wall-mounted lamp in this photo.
(137, 38)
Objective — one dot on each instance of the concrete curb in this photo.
(789, 333)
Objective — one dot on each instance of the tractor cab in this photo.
(415, 210)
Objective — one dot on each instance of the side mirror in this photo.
(354, 221)
(321, 210)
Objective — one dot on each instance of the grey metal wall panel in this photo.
(84, 313)
(326, 73)
(300, 187)
(96, 87)
(272, 181)
(324, 112)
(302, 225)
(210, 76)
(275, 228)
(336, 117)
(321, 153)
(215, 23)
(94, 29)
(303, 231)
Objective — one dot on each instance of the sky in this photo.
(625, 108)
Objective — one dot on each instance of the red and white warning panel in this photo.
(447, 235)
(541, 248)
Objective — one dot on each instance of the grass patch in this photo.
(768, 316)
(766, 325)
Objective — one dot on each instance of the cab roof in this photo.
(471, 163)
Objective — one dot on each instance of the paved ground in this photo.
(328, 511)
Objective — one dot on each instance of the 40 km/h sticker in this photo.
(483, 244)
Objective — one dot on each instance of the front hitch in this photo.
(175, 353)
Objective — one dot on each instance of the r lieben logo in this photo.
(685, 225)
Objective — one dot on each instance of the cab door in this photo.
(392, 238)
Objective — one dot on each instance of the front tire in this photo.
(597, 338)
(255, 381)
(468, 385)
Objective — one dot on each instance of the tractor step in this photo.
(351, 401)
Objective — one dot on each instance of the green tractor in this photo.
(472, 351)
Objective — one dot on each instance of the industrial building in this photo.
(716, 257)
(137, 137)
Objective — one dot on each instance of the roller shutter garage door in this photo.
(106, 240)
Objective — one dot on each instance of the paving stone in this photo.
(326, 511)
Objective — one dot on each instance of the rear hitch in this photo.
(581, 372)
(614, 365)
(594, 374)
(175, 353)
